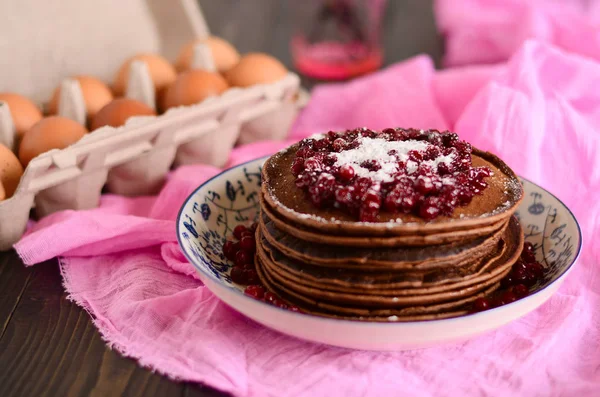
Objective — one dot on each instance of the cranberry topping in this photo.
(242, 258)
(247, 243)
(481, 304)
(363, 172)
(520, 291)
(229, 250)
(524, 274)
(270, 297)
(255, 291)
(346, 173)
(238, 230)
(506, 297)
(241, 253)
(250, 276)
(237, 275)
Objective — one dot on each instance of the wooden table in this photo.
(48, 345)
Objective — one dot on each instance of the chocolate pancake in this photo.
(368, 258)
(389, 283)
(410, 313)
(356, 299)
(395, 282)
(495, 205)
(315, 236)
(352, 296)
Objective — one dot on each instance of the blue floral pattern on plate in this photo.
(209, 215)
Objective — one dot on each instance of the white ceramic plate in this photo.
(231, 198)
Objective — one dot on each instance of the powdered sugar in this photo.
(441, 159)
(411, 167)
(379, 149)
(318, 135)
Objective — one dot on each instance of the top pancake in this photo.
(499, 201)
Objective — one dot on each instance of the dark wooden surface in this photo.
(48, 345)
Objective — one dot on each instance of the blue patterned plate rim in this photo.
(360, 322)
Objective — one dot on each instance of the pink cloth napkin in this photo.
(489, 31)
(540, 112)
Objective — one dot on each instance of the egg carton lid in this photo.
(45, 41)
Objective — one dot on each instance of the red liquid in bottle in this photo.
(331, 60)
(337, 39)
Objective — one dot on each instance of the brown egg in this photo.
(161, 71)
(52, 132)
(118, 111)
(24, 112)
(194, 86)
(224, 54)
(11, 172)
(256, 68)
(96, 94)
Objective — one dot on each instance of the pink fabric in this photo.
(395, 96)
(489, 31)
(540, 112)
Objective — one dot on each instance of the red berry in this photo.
(415, 156)
(424, 184)
(237, 275)
(506, 297)
(339, 144)
(321, 144)
(520, 291)
(519, 264)
(249, 266)
(346, 172)
(304, 180)
(247, 233)
(530, 279)
(371, 165)
(243, 257)
(430, 208)
(250, 276)
(305, 152)
(280, 304)
(247, 243)
(519, 276)
(312, 165)
(229, 250)
(431, 153)
(238, 230)
(481, 304)
(270, 297)
(507, 281)
(297, 166)
(253, 227)
(255, 291)
(528, 256)
(536, 269)
(444, 168)
(294, 309)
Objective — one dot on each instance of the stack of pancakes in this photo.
(402, 268)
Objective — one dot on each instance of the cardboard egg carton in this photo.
(134, 159)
